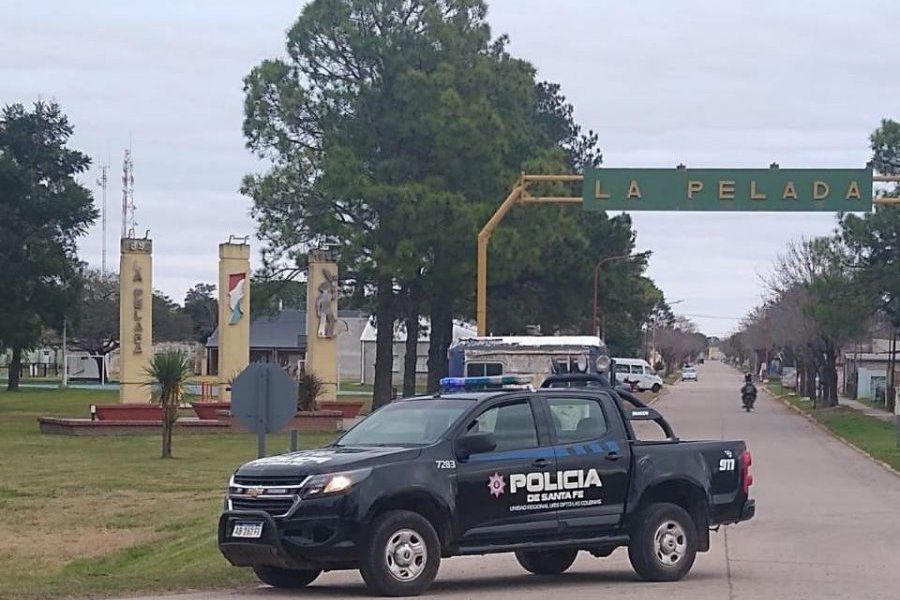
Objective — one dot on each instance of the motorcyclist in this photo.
(748, 391)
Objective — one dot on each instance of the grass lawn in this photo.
(877, 437)
(97, 516)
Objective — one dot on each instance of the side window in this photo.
(512, 424)
(637, 369)
(482, 369)
(576, 419)
(622, 369)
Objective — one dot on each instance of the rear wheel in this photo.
(289, 579)
(401, 555)
(546, 562)
(663, 542)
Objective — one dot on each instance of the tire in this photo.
(401, 554)
(663, 542)
(656, 387)
(288, 579)
(546, 562)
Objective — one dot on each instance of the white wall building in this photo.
(367, 349)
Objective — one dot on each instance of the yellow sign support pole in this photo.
(520, 195)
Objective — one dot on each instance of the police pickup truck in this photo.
(543, 473)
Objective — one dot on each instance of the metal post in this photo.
(261, 416)
(484, 236)
(294, 441)
(64, 382)
(595, 321)
(594, 329)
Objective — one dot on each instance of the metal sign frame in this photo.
(520, 195)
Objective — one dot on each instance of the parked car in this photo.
(689, 373)
(640, 372)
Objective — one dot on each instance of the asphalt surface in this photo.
(827, 524)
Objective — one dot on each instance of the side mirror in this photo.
(475, 443)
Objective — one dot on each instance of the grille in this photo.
(274, 506)
(268, 480)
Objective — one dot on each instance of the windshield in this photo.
(410, 423)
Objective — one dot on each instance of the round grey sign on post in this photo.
(263, 398)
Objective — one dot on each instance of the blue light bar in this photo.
(484, 381)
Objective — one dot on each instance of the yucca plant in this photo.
(169, 372)
(310, 387)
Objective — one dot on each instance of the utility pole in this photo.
(64, 382)
(104, 169)
(596, 328)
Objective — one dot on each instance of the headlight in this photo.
(603, 363)
(334, 483)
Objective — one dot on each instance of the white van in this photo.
(637, 370)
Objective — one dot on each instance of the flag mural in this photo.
(236, 285)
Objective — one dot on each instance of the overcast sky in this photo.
(707, 84)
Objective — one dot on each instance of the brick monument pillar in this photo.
(321, 322)
(234, 313)
(135, 318)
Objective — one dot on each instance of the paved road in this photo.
(824, 528)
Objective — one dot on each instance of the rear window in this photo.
(576, 419)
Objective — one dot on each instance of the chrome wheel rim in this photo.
(669, 543)
(405, 555)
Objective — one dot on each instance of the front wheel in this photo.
(656, 387)
(288, 579)
(401, 555)
(546, 562)
(663, 542)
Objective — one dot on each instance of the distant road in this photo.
(827, 524)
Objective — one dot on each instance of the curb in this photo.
(841, 439)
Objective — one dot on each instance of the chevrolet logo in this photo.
(254, 491)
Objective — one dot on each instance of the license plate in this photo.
(247, 530)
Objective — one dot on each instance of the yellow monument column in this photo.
(234, 313)
(321, 322)
(135, 318)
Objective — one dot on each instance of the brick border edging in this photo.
(840, 438)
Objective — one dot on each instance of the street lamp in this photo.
(595, 318)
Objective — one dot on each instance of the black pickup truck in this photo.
(543, 473)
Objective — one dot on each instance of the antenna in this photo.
(104, 168)
(128, 222)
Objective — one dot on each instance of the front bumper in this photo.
(293, 543)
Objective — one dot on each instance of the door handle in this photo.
(541, 463)
(613, 455)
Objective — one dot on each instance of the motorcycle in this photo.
(748, 400)
(748, 396)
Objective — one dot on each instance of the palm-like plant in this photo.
(169, 371)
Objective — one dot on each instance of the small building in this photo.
(865, 370)
(281, 339)
(367, 349)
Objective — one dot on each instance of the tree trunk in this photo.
(829, 378)
(892, 368)
(99, 361)
(809, 381)
(439, 343)
(384, 343)
(15, 370)
(411, 356)
(170, 414)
